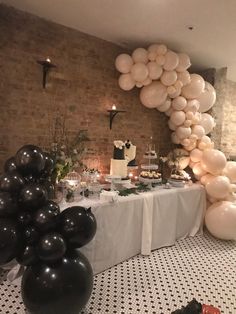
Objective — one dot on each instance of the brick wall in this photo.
(82, 87)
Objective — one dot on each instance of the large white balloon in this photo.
(194, 88)
(140, 55)
(124, 63)
(183, 133)
(198, 171)
(179, 103)
(154, 70)
(198, 130)
(177, 117)
(153, 48)
(161, 49)
(213, 161)
(184, 62)
(168, 78)
(218, 187)
(139, 72)
(126, 82)
(208, 122)
(207, 178)
(230, 171)
(207, 98)
(165, 106)
(196, 155)
(153, 95)
(160, 59)
(220, 220)
(171, 61)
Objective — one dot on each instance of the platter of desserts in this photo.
(178, 178)
(150, 176)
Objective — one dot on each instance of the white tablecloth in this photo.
(141, 223)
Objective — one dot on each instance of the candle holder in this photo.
(112, 114)
(46, 66)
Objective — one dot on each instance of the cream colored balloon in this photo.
(220, 220)
(208, 122)
(184, 77)
(165, 106)
(171, 61)
(176, 93)
(213, 161)
(185, 142)
(139, 84)
(161, 49)
(196, 155)
(147, 81)
(193, 137)
(194, 88)
(189, 115)
(124, 63)
(126, 82)
(177, 117)
(153, 48)
(230, 171)
(178, 84)
(160, 59)
(139, 72)
(197, 170)
(191, 146)
(152, 56)
(183, 132)
(168, 78)
(207, 98)
(154, 70)
(192, 105)
(153, 95)
(140, 55)
(218, 187)
(174, 138)
(187, 123)
(206, 139)
(184, 62)
(179, 103)
(198, 130)
(206, 178)
(196, 118)
(171, 125)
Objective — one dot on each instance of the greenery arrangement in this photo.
(139, 188)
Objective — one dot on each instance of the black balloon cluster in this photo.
(58, 278)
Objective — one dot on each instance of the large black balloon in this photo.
(10, 240)
(10, 165)
(63, 288)
(8, 204)
(49, 165)
(33, 196)
(31, 235)
(46, 218)
(47, 184)
(11, 182)
(51, 247)
(27, 256)
(78, 225)
(30, 160)
(24, 218)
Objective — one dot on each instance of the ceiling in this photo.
(138, 23)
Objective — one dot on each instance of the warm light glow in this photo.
(113, 107)
(131, 175)
(136, 177)
(48, 59)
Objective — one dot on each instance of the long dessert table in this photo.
(140, 223)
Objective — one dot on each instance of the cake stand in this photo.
(116, 180)
(150, 166)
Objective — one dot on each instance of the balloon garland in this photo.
(185, 98)
(57, 278)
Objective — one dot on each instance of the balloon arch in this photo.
(186, 98)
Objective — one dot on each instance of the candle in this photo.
(131, 175)
(113, 107)
(48, 60)
(136, 177)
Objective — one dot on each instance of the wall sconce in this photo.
(112, 113)
(46, 65)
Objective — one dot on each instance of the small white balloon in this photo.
(187, 123)
(213, 161)
(171, 61)
(183, 132)
(153, 48)
(185, 142)
(154, 70)
(152, 56)
(165, 106)
(184, 77)
(177, 117)
(139, 72)
(230, 171)
(160, 59)
(208, 122)
(126, 82)
(192, 105)
(161, 49)
(189, 115)
(194, 88)
(179, 103)
(184, 62)
(147, 81)
(198, 130)
(168, 78)
(140, 55)
(124, 63)
(196, 155)
(218, 187)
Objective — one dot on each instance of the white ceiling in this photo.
(137, 23)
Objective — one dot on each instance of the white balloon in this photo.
(161, 49)
(126, 82)
(218, 187)
(198, 130)
(208, 122)
(154, 70)
(206, 178)
(178, 84)
(192, 105)
(189, 115)
(177, 117)
(220, 220)
(194, 88)
(139, 72)
(183, 132)
(152, 56)
(124, 63)
(168, 78)
(196, 118)
(153, 48)
(196, 155)
(165, 106)
(207, 98)
(230, 170)
(197, 169)
(160, 59)
(140, 55)
(147, 81)
(179, 103)
(213, 161)
(185, 142)
(190, 147)
(206, 139)
(171, 125)
(184, 62)
(153, 95)
(187, 123)
(184, 77)
(174, 138)
(171, 61)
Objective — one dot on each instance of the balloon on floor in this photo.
(58, 278)
(185, 98)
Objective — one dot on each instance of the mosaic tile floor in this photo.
(200, 267)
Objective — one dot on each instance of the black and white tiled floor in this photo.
(200, 267)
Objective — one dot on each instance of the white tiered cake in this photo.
(118, 162)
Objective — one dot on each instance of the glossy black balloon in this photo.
(63, 288)
(10, 240)
(78, 225)
(49, 165)
(8, 204)
(30, 160)
(33, 196)
(31, 178)
(11, 182)
(49, 187)
(24, 218)
(51, 247)
(10, 165)
(31, 234)
(27, 256)
(46, 218)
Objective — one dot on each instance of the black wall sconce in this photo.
(46, 65)
(112, 113)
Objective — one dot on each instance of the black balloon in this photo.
(49, 187)
(51, 247)
(46, 218)
(31, 235)
(33, 196)
(11, 182)
(24, 218)
(27, 256)
(30, 178)
(10, 165)
(63, 288)
(49, 165)
(30, 160)
(10, 240)
(78, 225)
(8, 204)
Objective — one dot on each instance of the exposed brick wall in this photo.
(84, 85)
